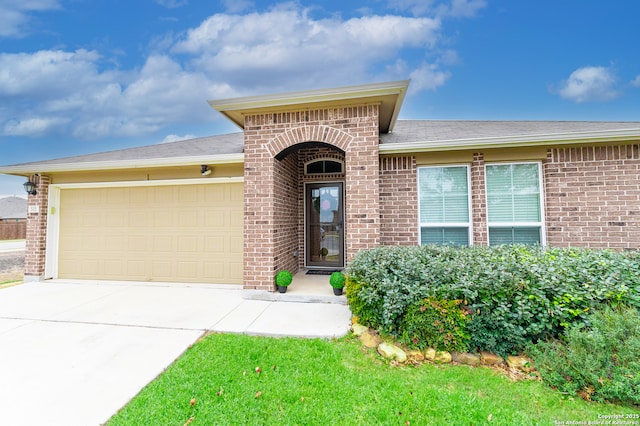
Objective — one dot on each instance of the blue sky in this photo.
(83, 76)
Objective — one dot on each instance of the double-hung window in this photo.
(514, 203)
(444, 205)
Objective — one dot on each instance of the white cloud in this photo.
(34, 126)
(636, 82)
(590, 84)
(82, 94)
(176, 138)
(285, 48)
(65, 92)
(16, 14)
(427, 77)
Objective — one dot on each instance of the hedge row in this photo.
(515, 294)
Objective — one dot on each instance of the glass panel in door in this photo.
(324, 239)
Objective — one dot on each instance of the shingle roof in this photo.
(407, 131)
(231, 143)
(13, 208)
(434, 133)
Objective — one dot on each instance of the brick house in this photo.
(314, 177)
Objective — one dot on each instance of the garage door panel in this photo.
(188, 219)
(188, 269)
(189, 244)
(182, 233)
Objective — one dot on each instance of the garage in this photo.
(170, 233)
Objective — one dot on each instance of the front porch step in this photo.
(294, 297)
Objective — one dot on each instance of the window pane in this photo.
(499, 191)
(315, 167)
(455, 236)
(515, 235)
(526, 188)
(443, 195)
(332, 167)
(431, 201)
(513, 193)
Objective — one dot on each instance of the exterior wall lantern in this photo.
(205, 170)
(30, 187)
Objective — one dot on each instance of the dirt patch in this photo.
(11, 266)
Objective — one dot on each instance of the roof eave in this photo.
(236, 108)
(512, 141)
(28, 169)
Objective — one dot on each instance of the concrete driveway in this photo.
(74, 353)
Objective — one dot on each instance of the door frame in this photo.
(343, 231)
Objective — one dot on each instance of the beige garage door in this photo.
(185, 233)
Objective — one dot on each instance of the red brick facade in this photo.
(478, 201)
(36, 242)
(272, 141)
(591, 193)
(398, 201)
(593, 196)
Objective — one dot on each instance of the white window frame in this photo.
(468, 225)
(540, 224)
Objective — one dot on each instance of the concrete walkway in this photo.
(74, 352)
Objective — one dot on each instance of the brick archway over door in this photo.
(268, 182)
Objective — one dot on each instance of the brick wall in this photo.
(268, 140)
(36, 243)
(286, 203)
(478, 201)
(398, 201)
(593, 196)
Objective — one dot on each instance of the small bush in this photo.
(283, 278)
(517, 294)
(599, 361)
(336, 279)
(438, 324)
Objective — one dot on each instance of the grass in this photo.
(10, 283)
(338, 383)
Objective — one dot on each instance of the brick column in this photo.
(259, 211)
(479, 200)
(36, 243)
(362, 193)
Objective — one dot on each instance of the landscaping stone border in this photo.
(519, 367)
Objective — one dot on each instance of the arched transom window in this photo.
(323, 166)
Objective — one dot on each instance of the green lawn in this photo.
(318, 382)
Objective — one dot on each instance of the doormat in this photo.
(320, 272)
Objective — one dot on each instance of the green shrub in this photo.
(517, 294)
(336, 279)
(599, 361)
(283, 278)
(438, 324)
(363, 312)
